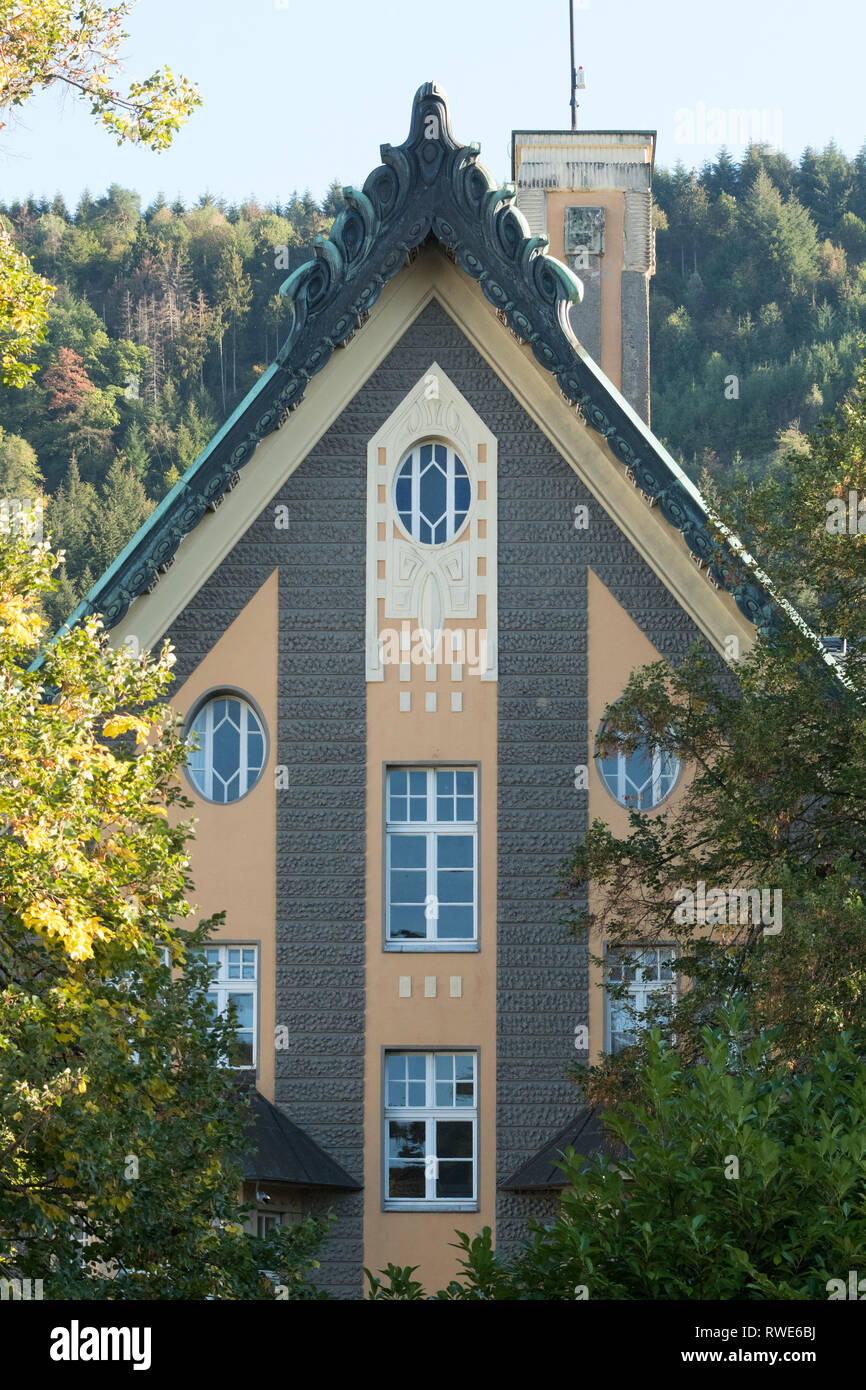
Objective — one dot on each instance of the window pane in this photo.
(444, 808)
(610, 773)
(465, 783)
(455, 923)
(417, 1097)
(398, 809)
(455, 1180)
(397, 781)
(418, 782)
(408, 852)
(407, 1140)
(255, 751)
(408, 922)
(444, 783)
(408, 885)
(244, 1005)
(417, 1065)
(464, 1066)
(433, 495)
(454, 1138)
(407, 1180)
(445, 1094)
(455, 885)
(241, 1051)
(455, 851)
(444, 1062)
(395, 1074)
(226, 750)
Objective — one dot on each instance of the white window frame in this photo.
(432, 830)
(267, 1221)
(619, 792)
(638, 989)
(251, 722)
(430, 1114)
(453, 528)
(222, 985)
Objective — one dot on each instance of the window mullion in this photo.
(416, 492)
(432, 923)
(243, 767)
(430, 1175)
(208, 744)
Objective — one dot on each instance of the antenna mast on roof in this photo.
(577, 79)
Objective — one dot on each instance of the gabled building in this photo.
(402, 582)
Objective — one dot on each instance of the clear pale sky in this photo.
(296, 94)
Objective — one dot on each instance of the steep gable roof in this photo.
(428, 187)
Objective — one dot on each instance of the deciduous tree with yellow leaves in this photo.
(73, 44)
(120, 1124)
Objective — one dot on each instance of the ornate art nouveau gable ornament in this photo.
(431, 589)
(428, 186)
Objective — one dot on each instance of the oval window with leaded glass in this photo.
(432, 493)
(231, 748)
(638, 780)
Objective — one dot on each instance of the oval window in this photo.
(639, 780)
(231, 753)
(432, 493)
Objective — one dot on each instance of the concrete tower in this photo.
(590, 192)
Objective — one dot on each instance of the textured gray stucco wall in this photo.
(634, 313)
(320, 817)
(543, 735)
(542, 973)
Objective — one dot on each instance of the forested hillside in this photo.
(164, 317)
(761, 276)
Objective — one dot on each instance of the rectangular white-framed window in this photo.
(646, 971)
(431, 1131)
(267, 1221)
(431, 858)
(234, 981)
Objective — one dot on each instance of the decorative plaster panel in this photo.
(429, 586)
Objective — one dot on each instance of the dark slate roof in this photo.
(285, 1153)
(584, 1134)
(430, 187)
